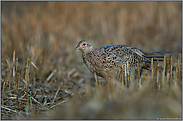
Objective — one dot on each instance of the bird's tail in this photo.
(155, 57)
(152, 53)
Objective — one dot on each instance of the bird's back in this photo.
(108, 59)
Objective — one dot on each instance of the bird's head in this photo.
(84, 46)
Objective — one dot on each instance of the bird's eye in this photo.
(84, 44)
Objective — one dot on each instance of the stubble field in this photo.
(43, 77)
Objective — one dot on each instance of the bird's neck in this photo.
(87, 50)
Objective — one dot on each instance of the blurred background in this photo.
(48, 32)
(59, 26)
(51, 30)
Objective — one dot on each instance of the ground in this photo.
(43, 77)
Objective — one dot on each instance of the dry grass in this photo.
(43, 77)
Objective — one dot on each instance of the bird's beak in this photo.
(77, 47)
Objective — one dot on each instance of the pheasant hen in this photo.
(106, 61)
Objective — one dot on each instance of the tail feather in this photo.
(150, 56)
(156, 58)
(152, 53)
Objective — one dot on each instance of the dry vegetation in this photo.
(43, 77)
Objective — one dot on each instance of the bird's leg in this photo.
(96, 79)
(107, 79)
(139, 75)
(141, 71)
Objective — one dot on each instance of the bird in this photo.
(106, 61)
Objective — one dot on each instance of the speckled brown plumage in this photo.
(107, 60)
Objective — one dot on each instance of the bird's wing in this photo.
(120, 54)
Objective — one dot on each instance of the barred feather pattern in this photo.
(107, 60)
